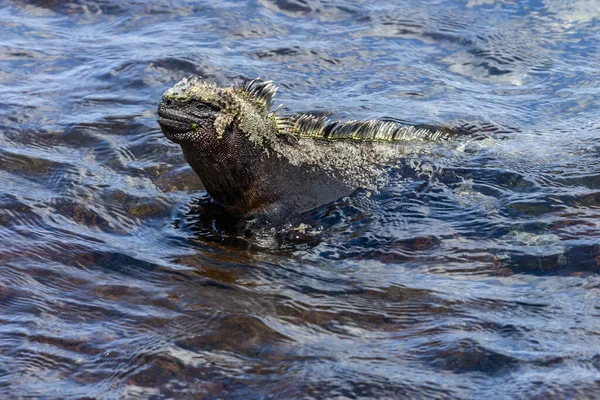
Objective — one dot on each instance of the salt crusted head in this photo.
(193, 105)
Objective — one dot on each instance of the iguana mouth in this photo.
(173, 126)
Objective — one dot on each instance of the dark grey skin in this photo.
(253, 183)
(264, 170)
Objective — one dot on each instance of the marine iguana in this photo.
(264, 168)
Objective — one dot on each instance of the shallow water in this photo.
(473, 275)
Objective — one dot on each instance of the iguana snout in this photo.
(182, 121)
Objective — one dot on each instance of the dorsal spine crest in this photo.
(262, 92)
(309, 126)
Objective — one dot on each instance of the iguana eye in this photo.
(201, 107)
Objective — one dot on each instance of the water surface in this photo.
(473, 273)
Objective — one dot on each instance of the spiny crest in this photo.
(191, 88)
(262, 91)
(309, 126)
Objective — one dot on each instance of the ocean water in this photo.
(472, 273)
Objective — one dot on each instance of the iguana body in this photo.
(267, 168)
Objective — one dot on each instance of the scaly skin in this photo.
(265, 169)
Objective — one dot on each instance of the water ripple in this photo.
(472, 272)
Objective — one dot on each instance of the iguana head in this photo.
(193, 107)
(224, 134)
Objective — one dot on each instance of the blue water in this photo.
(473, 273)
